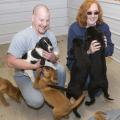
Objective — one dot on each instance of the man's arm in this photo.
(14, 62)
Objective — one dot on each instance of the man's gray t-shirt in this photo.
(26, 40)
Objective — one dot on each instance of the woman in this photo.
(89, 14)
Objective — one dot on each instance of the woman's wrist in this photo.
(88, 52)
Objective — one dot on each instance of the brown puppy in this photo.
(99, 115)
(13, 92)
(60, 103)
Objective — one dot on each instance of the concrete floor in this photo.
(22, 112)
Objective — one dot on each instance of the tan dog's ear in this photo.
(37, 79)
(99, 115)
(54, 76)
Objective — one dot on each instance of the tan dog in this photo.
(60, 103)
(7, 88)
(99, 115)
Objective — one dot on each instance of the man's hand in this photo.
(37, 65)
(94, 46)
(49, 56)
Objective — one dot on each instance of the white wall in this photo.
(73, 7)
(15, 15)
(111, 10)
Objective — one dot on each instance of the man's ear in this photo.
(33, 17)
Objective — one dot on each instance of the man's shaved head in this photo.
(40, 19)
(40, 6)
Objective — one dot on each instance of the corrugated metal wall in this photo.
(111, 10)
(15, 15)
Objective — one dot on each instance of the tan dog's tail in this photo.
(99, 115)
(78, 101)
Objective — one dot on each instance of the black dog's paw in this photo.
(88, 103)
(76, 113)
(109, 98)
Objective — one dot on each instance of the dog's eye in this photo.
(48, 68)
(45, 44)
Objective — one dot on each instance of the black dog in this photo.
(32, 56)
(98, 77)
(79, 71)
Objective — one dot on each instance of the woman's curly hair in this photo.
(82, 12)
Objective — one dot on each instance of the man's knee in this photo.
(35, 103)
(60, 68)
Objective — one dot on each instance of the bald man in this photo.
(26, 40)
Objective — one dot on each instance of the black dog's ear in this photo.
(48, 40)
(77, 47)
(42, 41)
(77, 42)
(39, 43)
(45, 44)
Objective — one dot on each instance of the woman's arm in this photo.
(71, 36)
(110, 46)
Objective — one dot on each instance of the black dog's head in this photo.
(92, 33)
(45, 44)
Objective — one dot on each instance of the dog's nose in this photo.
(51, 49)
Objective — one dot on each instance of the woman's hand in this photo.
(94, 46)
(105, 40)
